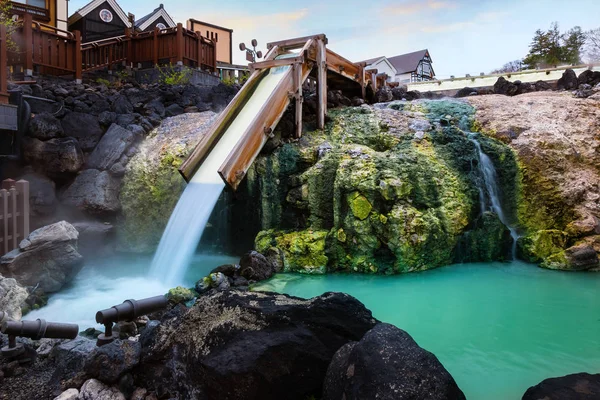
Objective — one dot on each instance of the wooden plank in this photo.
(13, 211)
(321, 84)
(277, 63)
(272, 53)
(296, 42)
(222, 122)
(77, 58)
(342, 66)
(297, 70)
(28, 38)
(4, 200)
(3, 65)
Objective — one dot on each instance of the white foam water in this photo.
(187, 223)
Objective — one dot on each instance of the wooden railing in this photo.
(57, 52)
(14, 214)
(3, 65)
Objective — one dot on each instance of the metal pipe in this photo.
(39, 329)
(131, 309)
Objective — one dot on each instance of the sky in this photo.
(463, 36)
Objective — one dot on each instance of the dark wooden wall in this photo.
(151, 27)
(92, 27)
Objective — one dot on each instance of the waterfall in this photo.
(186, 225)
(490, 178)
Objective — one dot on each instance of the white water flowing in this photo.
(490, 177)
(187, 223)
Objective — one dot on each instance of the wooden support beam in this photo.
(272, 53)
(180, 45)
(78, 58)
(3, 65)
(28, 38)
(296, 42)
(297, 71)
(155, 47)
(277, 63)
(321, 84)
(342, 66)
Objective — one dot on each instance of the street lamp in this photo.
(251, 54)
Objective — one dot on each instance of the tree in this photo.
(7, 20)
(551, 48)
(513, 66)
(592, 45)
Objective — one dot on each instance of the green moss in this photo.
(488, 240)
(181, 295)
(360, 206)
(541, 245)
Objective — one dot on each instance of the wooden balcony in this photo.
(39, 14)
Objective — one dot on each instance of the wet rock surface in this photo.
(582, 386)
(387, 364)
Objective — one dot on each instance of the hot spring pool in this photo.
(498, 328)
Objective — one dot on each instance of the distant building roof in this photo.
(408, 62)
(144, 22)
(371, 60)
(92, 5)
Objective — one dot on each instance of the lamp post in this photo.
(251, 54)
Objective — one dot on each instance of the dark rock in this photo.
(466, 91)
(69, 358)
(568, 81)
(502, 86)
(122, 106)
(36, 90)
(107, 118)
(589, 77)
(41, 106)
(584, 91)
(357, 101)
(113, 145)
(96, 390)
(202, 106)
(244, 345)
(84, 127)
(45, 126)
(191, 109)
(399, 92)
(255, 267)
(526, 87)
(240, 281)
(48, 257)
(387, 364)
(110, 362)
(155, 106)
(42, 194)
(54, 157)
(124, 120)
(542, 86)
(137, 130)
(173, 110)
(582, 258)
(95, 238)
(229, 270)
(95, 192)
(582, 386)
(384, 95)
(117, 170)
(413, 95)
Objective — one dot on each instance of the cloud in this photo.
(416, 7)
(245, 21)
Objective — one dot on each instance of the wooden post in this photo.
(321, 83)
(179, 44)
(78, 58)
(363, 83)
(155, 47)
(28, 39)
(4, 210)
(3, 65)
(23, 206)
(13, 211)
(298, 95)
(200, 53)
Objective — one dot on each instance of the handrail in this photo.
(46, 27)
(98, 43)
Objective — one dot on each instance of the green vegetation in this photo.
(174, 75)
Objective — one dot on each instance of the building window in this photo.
(161, 26)
(216, 36)
(34, 3)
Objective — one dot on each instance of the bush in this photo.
(170, 75)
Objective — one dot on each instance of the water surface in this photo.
(498, 328)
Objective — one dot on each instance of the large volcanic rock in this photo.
(84, 127)
(12, 297)
(387, 364)
(93, 191)
(244, 345)
(48, 257)
(42, 193)
(580, 386)
(568, 81)
(111, 148)
(55, 157)
(45, 126)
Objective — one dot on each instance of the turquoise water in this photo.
(498, 328)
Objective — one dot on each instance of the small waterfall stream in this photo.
(490, 178)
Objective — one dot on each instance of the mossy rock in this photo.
(302, 252)
(541, 245)
(181, 295)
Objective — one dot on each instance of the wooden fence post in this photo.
(179, 44)
(155, 47)
(23, 207)
(15, 222)
(3, 65)
(78, 58)
(28, 42)
(297, 70)
(200, 50)
(4, 212)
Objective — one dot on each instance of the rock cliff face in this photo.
(556, 139)
(384, 189)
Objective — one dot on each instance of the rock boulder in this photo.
(42, 194)
(93, 191)
(55, 157)
(45, 126)
(48, 257)
(387, 364)
(254, 266)
(580, 386)
(111, 148)
(250, 345)
(84, 127)
(568, 81)
(12, 297)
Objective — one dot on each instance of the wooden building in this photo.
(223, 37)
(159, 18)
(49, 12)
(99, 19)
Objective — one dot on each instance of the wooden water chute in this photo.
(305, 56)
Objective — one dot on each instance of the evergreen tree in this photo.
(574, 40)
(551, 48)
